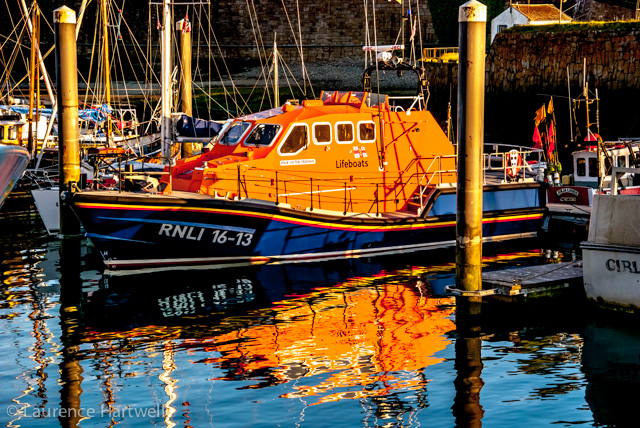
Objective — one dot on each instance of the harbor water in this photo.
(366, 342)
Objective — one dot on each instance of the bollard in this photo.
(64, 19)
(472, 18)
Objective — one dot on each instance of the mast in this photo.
(45, 75)
(165, 82)
(33, 76)
(105, 59)
(276, 89)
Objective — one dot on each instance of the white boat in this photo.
(14, 157)
(611, 255)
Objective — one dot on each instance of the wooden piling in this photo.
(68, 128)
(472, 18)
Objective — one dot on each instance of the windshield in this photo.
(234, 133)
(263, 134)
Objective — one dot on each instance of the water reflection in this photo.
(372, 342)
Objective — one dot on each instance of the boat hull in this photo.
(611, 255)
(13, 162)
(142, 230)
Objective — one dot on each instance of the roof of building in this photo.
(541, 12)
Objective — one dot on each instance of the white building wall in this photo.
(509, 17)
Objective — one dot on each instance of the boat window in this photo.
(593, 167)
(1, 132)
(581, 167)
(263, 135)
(12, 134)
(344, 132)
(295, 141)
(375, 100)
(621, 161)
(235, 133)
(366, 132)
(322, 133)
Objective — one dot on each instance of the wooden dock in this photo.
(527, 281)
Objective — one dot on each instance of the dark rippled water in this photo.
(366, 342)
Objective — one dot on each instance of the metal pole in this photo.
(472, 19)
(165, 82)
(67, 88)
(107, 80)
(184, 27)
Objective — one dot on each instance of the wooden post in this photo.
(472, 18)
(184, 28)
(64, 19)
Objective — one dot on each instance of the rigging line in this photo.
(266, 58)
(262, 54)
(295, 39)
(233, 85)
(146, 96)
(93, 48)
(304, 80)
(420, 34)
(375, 41)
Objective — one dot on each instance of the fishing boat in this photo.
(14, 157)
(612, 253)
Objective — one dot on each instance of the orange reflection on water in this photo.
(382, 334)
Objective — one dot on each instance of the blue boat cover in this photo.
(193, 127)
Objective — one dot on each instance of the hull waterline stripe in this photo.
(312, 223)
(182, 223)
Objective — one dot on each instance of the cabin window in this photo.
(235, 133)
(581, 167)
(344, 132)
(593, 167)
(1, 132)
(322, 133)
(621, 161)
(11, 133)
(263, 135)
(366, 132)
(295, 141)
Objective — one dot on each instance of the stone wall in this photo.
(538, 61)
(329, 28)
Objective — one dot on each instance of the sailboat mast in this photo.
(105, 61)
(32, 79)
(276, 88)
(165, 82)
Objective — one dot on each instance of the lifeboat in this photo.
(346, 175)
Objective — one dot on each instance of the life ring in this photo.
(514, 163)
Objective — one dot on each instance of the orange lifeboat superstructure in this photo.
(310, 155)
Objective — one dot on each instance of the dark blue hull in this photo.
(141, 230)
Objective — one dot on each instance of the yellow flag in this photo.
(540, 115)
(550, 108)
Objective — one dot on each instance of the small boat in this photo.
(14, 157)
(611, 254)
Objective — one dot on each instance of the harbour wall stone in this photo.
(541, 61)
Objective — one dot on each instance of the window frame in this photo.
(374, 132)
(343, 122)
(313, 133)
(254, 127)
(289, 131)
(241, 137)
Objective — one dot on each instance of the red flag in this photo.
(537, 139)
(552, 140)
